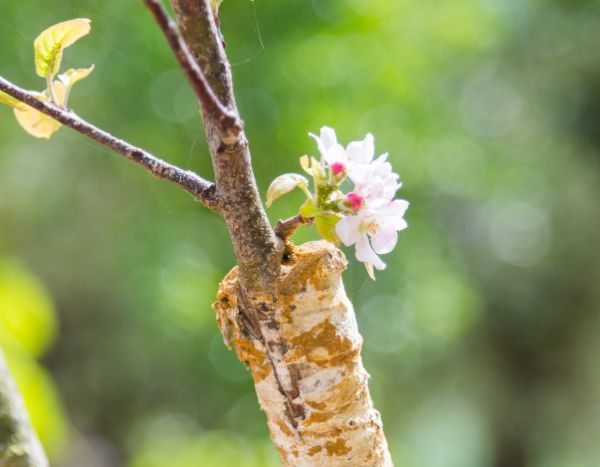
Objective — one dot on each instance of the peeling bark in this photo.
(19, 445)
(302, 345)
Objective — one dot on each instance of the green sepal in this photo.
(325, 224)
(308, 209)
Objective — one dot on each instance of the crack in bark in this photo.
(293, 411)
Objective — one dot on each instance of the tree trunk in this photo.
(302, 345)
(19, 445)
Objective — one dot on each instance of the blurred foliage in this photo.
(482, 334)
(27, 329)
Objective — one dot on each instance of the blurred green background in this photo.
(482, 336)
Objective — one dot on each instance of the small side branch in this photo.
(19, 445)
(285, 229)
(202, 189)
(230, 124)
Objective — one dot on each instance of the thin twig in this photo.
(202, 189)
(230, 123)
(287, 228)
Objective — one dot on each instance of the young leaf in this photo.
(72, 76)
(284, 184)
(49, 45)
(326, 227)
(8, 100)
(35, 122)
(305, 164)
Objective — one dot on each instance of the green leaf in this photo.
(49, 45)
(8, 100)
(284, 184)
(326, 227)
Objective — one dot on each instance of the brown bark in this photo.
(257, 248)
(302, 345)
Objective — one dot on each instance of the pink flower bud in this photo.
(338, 168)
(354, 201)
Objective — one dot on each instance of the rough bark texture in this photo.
(257, 249)
(302, 346)
(19, 446)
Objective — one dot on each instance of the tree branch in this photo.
(258, 249)
(202, 189)
(230, 123)
(19, 445)
(286, 228)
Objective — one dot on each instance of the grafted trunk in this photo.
(302, 345)
(19, 446)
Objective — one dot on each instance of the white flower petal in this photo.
(348, 229)
(393, 213)
(329, 148)
(365, 253)
(320, 144)
(359, 174)
(335, 154)
(384, 240)
(328, 137)
(362, 152)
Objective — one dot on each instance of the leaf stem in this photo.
(51, 90)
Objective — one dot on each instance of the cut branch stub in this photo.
(285, 229)
(302, 345)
